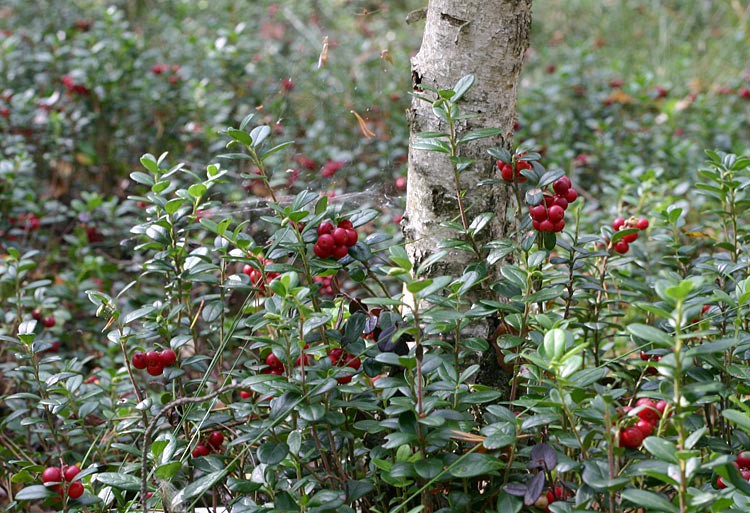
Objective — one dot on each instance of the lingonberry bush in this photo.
(192, 346)
(297, 361)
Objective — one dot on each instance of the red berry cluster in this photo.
(274, 365)
(154, 361)
(649, 414)
(335, 242)
(623, 245)
(256, 275)
(512, 172)
(28, 222)
(743, 465)
(212, 443)
(330, 168)
(340, 358)
(55, 476)
(326, 284)
(549, 215)
(48, 322)
(558, 493)
(73, 87)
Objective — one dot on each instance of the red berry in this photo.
(642, 223)
(340, 251)
(621, 247)
(631, 437)
(646, 427)
(153, 359)
(538, 213)
(155, 370)
(555, 213)
(326, 242)
(645, 356)
(743, 460)
(661, 406)
(649, 412)
(75, 490)
(562, 185)
(307, 359)
(346, 224)
(339, 236)
(167, 357)
(52, 475)
(630, 238)
(215, 439)
(139, 360)
(745, 474)
(70, 472)
(351, 237)
(571, 195)
(546, 226)
(273, 362)
(558, 226)
(248, 269)
(36, 315)
(561, 202)
(320, 252)
(549, 201)
(200, 450)
(617, 223)
(506, 172)
(720, 483)
(343, 380)
(536, 225)
(49, 322)
(744, 93)
(245, 395)
(325, 227)
(401, 183)
(353, 362)
(335, 355)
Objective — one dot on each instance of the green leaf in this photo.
(475, 464)
(168, 470)
(650, 334)
(197, 190)
(239, 135)
(272, 453)
(463, 85)
(741, 419)
(481, 133)
(119, 480)
(431, 145)
(137, 314)
(662, 449)
(204, 484)
(649, 500)
(34, 492)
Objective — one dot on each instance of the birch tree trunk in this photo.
(486, 38)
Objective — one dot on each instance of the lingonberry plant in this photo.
(297, 360)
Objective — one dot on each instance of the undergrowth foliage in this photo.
(279, 378)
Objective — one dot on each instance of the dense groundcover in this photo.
(206, 300)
